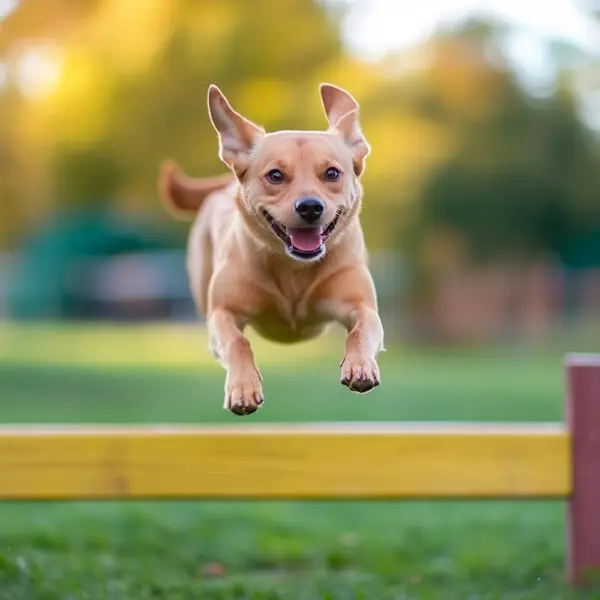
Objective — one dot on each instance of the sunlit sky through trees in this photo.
(374, 28)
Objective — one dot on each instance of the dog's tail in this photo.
(183, 196)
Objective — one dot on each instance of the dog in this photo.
(277, 244)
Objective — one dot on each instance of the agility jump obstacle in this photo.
(330, 460)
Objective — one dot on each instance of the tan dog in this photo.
(278, 244)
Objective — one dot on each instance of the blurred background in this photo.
(481, 211)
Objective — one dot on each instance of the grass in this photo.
(273, 550)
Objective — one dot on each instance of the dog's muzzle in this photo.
(303, 243)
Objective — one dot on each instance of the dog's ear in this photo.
(341, 110)
(336, 102)
(237, 135)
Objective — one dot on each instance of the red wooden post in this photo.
(583, 420)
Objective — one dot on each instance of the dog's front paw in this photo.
(360, 373)
(243, 393)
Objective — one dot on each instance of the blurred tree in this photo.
(519, 181)
(130, 86)
(514, 186)
(100, 91)
(36, 20)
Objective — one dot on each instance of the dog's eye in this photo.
(275, 176)
(332, 174)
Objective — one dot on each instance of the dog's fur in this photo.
(243, 266)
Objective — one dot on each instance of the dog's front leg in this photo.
(360, 371)
(350, 299)
(243, 384)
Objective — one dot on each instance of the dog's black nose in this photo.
(310, 209)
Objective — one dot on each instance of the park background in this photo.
(481, 214)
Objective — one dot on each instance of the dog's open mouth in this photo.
(303, 242)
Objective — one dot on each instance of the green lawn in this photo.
(277, 550)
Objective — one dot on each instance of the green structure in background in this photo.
(582, 252)
(42, 282)
(579, 256)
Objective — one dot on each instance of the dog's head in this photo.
(299, 189)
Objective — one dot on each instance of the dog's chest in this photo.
(288, 314)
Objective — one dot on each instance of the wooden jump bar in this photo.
(285, 461)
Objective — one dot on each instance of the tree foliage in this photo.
(459, 148)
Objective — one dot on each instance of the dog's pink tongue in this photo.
(306, 239)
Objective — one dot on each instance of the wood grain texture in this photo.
(286, 461)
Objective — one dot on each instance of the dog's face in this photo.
(300, 189)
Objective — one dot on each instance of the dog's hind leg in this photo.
(200, 261)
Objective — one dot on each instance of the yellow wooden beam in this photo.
(286, 461)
